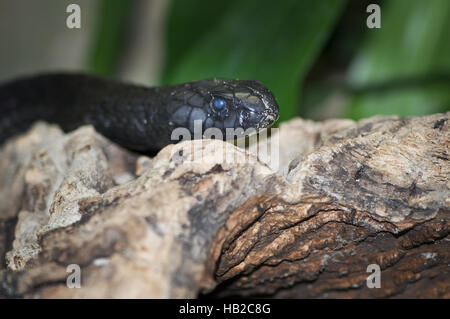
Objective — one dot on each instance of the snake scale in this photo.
(136, 117)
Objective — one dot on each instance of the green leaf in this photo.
(411, 48)
(109, 36)
(274, 42)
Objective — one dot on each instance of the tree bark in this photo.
(345, 199)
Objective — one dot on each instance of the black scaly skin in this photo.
(135, 117)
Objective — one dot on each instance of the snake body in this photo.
(138, 118)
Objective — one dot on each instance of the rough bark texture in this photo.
(189, 222)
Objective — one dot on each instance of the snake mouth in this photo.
(270, 118)
(256, 121)
(270, 112)
(258, 116)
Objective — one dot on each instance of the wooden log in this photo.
(206, 217)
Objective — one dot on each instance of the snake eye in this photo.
(218, 104)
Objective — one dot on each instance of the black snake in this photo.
(136, 117)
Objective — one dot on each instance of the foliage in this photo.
(402, 68)
(411, 54)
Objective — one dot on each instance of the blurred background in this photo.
(318, 57)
